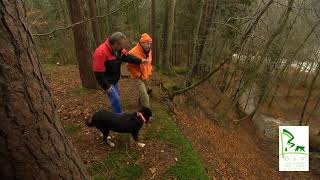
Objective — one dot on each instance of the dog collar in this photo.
(140, 115)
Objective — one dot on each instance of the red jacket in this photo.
(102, 54)
(107, 64)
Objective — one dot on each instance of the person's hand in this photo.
(109, 90)
(143, 61)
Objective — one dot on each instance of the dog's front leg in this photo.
(136, 139)
(111, 144)
(107, 138)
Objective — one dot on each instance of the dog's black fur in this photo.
(125, 123)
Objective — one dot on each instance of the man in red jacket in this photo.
(107, 60)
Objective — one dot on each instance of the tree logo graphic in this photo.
(288, 147)
(293, 148)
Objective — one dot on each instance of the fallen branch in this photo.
(180, 91)
(81, 22)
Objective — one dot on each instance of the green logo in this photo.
(288, 148)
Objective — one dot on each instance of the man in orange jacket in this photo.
(142, 72)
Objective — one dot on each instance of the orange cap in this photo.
(145, 38)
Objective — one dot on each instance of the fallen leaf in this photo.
(152, 170)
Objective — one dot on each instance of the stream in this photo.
(267, 128)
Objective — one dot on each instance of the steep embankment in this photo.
(229, 149)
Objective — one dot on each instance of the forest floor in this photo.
(185, 140)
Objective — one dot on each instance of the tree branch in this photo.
(81, 22)
(174, 93)
(293, 7)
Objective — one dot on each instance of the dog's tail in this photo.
(89, 122)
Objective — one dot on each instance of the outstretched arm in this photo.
(126, 57)
(131, 59)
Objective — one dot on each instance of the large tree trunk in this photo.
(155, 52)
(168, 34)
(95, 23)
(33, 142)
(82, 45)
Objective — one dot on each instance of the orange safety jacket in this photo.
(144, 70)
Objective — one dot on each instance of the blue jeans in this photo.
(114, 99)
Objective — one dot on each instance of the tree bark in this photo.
(153, 32)
(82, 45)
(168, 33)
(33, 142)
(95, 22)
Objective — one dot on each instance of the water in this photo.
(306, 66)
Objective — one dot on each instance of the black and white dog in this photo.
(124, 123)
